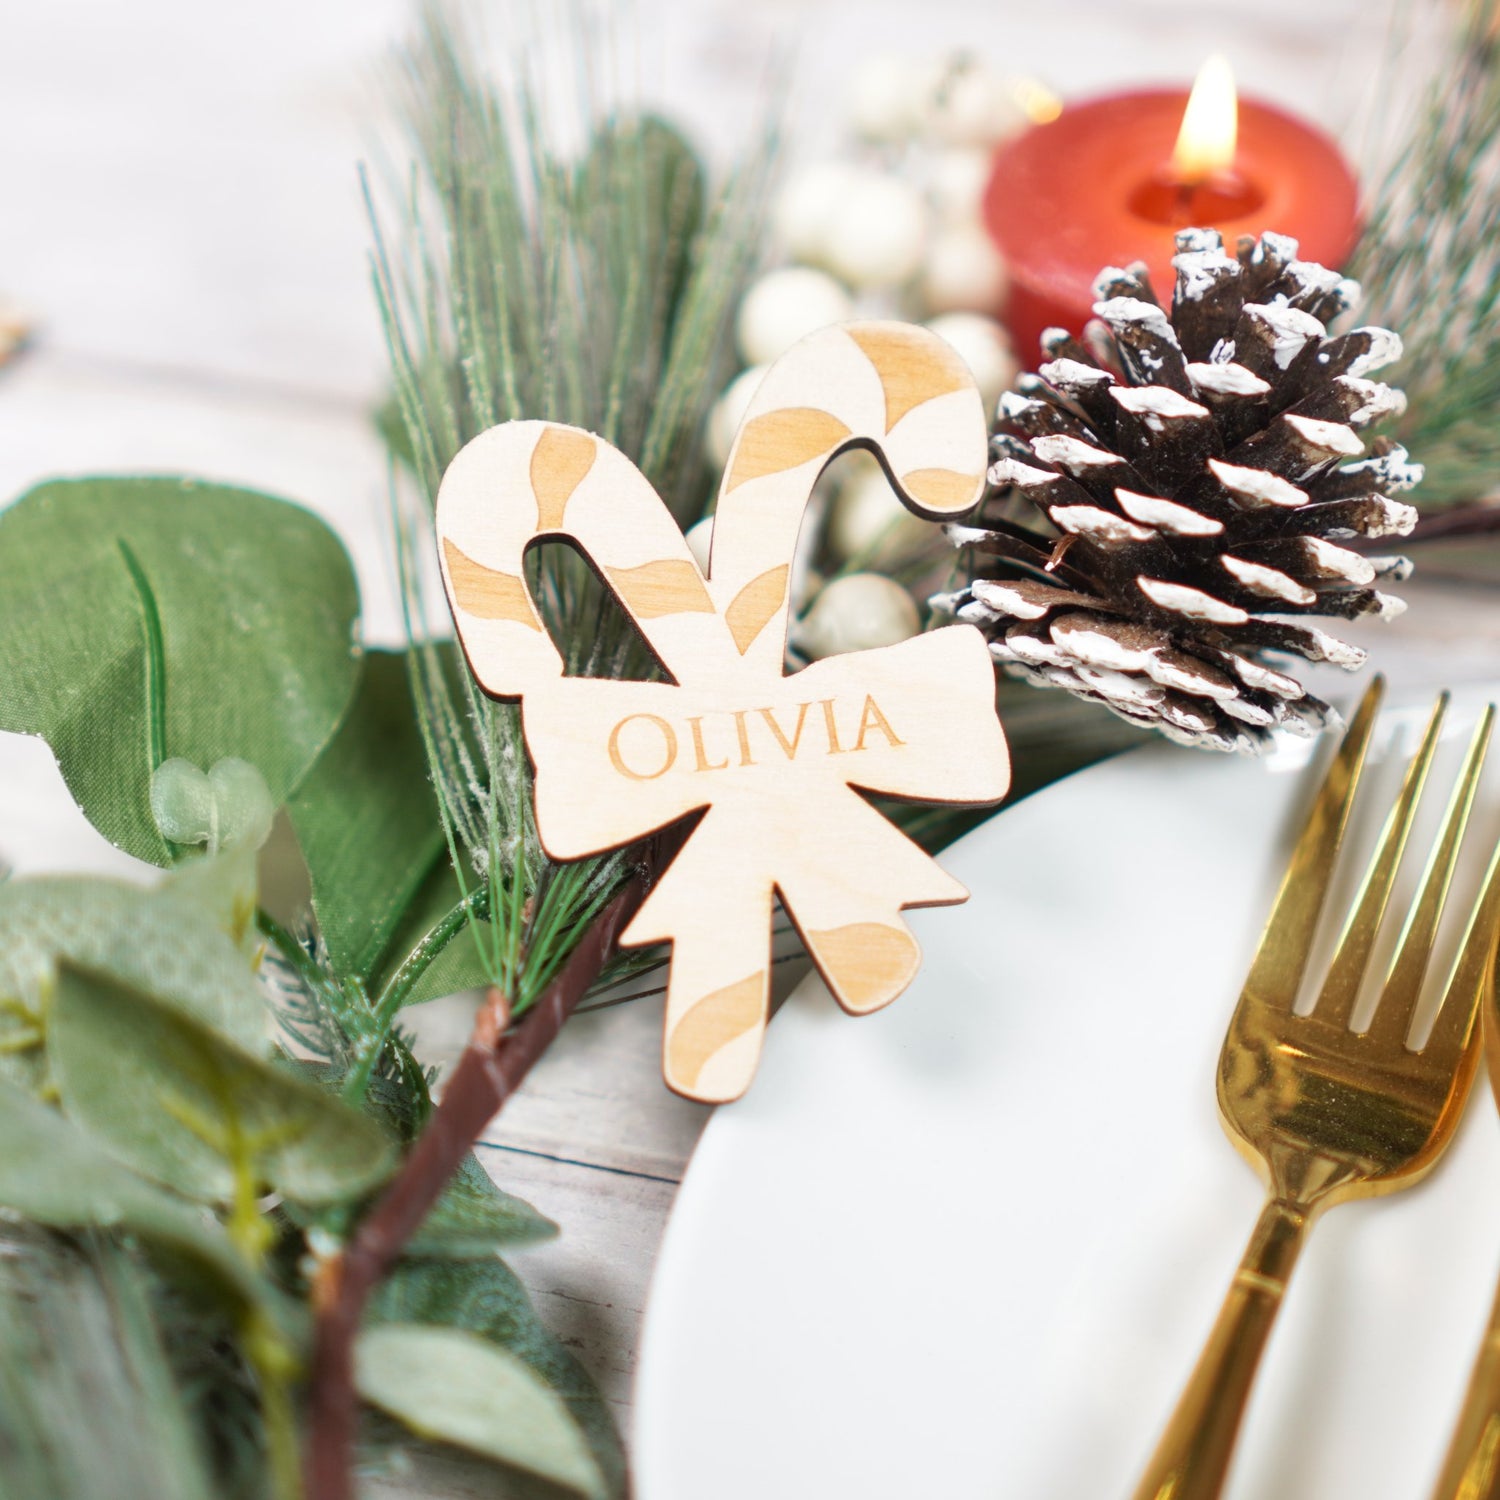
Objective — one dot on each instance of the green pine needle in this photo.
(525, 280)
(1429, 262)
(89, 1403)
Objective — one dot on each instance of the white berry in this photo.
(983, 346)
(870, 526)
(787, 305)
(857, 613)
(886, 97)
(700, 539)
(963, 272)
(974, 106)
(807, 206)
(959, 178)
(880, 234)
(729, 411)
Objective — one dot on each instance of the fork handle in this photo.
(1193, 1455)
(1471, 1471)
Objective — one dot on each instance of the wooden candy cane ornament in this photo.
(774, 759)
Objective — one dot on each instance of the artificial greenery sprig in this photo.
(597, 291)
(159, 633)
(1429, 262)
(151, 1114)
(148, 624)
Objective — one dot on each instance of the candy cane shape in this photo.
(520, 482)
(773, 759)
(904, 394)
(895, 389)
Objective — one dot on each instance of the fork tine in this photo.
(1454, 1025)
(1340, 991)
(1281, 960)
(1403, 985)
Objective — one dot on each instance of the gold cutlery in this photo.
(1471, 1469)
(1326, 1113)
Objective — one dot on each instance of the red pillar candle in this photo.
(1096, 187)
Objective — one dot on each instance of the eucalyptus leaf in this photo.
(228, 806)
(225, 889)
(53, 1173)
(474, 1218)
(486, 1298)
(170, 941)
(367, 819)
(458, 1388)
(142, 619)
(186, 1106)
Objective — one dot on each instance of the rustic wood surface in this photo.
(182, 218)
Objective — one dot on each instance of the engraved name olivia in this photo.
(645, 746)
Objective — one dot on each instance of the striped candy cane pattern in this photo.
(773, 759)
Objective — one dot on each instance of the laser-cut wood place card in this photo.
(775, 759)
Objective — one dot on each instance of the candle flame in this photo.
(1210, 124)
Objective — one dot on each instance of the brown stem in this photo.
(489, 1072)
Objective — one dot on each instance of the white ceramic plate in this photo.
(969, 1246)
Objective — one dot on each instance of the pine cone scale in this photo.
(1173, 495)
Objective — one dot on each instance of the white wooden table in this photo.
(179, 208)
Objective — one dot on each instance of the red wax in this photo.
(1093, 188)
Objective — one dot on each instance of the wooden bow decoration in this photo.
(774, 759)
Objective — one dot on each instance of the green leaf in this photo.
(367, 819)
(485, 1298)
(188, 1107)
(459, 1388)
(474, 1218)
(224, 888)
(228, 806)
(168, 941)
(458, 967)
(147, 618)
(54, 1173)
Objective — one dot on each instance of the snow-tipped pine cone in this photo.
(1200, 474)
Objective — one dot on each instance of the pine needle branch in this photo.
(525, 280)
(1429, 262)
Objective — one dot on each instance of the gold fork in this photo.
(1471, 1469)
(1323, 1112)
